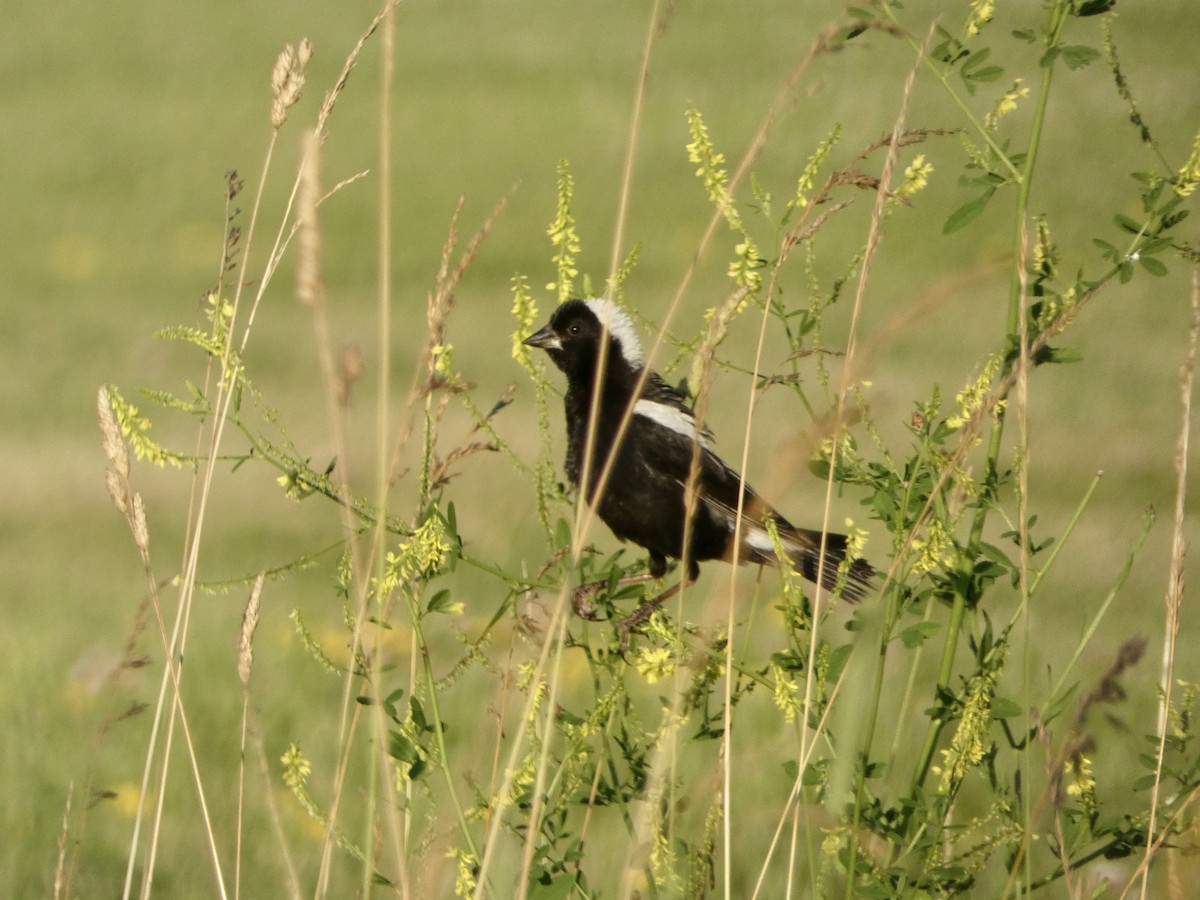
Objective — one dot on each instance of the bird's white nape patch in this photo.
(672, 418)
(620, 326)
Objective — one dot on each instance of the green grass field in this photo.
(118, 128)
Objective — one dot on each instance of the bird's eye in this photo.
(574, 328)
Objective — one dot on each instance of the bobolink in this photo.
(644, 497)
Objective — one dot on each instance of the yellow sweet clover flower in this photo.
(219, 312)
(525, 310)
(969, 744)
(916, 176)
(464, 880)
(963, 481)
(522, 778)
(1083, 784)
(787, 694)
(563, 235)
(135, 427)
(1006, 104)
(662, 860)
(710, 167)
(421, 555)
(293, 487)
(1180, 713)
(439, 361)
(808, 177)
(981, 13)
(856, 541)
(530, 681)
(655, 663)
(1189, 175)
(971, 398)
(1083, 781)
(296, 767)
(710, 170)
(933, 550)
(1045, 252)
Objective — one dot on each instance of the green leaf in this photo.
(562, 533)
(1003, 708)
(1170, 221)
(1094, 7)
(441, 602)
(401, 748)
(986, 74)
(552, 888)
(813, 774)
(1127, 224)
(1109, 252)
(950, 50)
(974, 72)
(915, 635)
(1144, 783)
(967, 213)
(1076, 56)
(1155, 267)
(1057, 355)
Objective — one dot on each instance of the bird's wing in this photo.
(671, 405)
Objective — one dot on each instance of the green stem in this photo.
(1057, 18)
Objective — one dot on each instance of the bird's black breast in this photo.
(643, 499)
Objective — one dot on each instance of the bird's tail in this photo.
(804, 547)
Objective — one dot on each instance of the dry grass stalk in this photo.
(63, 832)
(1077, 741)
(1173, 600)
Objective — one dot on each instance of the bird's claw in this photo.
(583, 601)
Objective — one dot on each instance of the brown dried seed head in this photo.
(246, 635)
(141, 534)
(283, 65)
(287, 78)
(116, 490)
(114, 446)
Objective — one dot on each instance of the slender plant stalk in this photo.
(874, 235)
(1056, 20)
(1173, 599)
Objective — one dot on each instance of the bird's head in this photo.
(574, 335)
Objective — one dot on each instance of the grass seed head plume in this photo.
(287, 78)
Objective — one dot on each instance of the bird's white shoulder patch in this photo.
(620, 326)
(758, 538)
(672, 418)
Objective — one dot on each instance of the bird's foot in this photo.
(632, 622)
(583, 601)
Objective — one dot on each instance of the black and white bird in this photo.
(638, 480)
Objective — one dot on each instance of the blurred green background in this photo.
(119, 122)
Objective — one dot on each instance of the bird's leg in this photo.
(583, 596)
(647, 609)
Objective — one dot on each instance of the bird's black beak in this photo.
(546, 339)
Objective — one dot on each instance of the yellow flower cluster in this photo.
(1006, 104)
(1189, 175)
